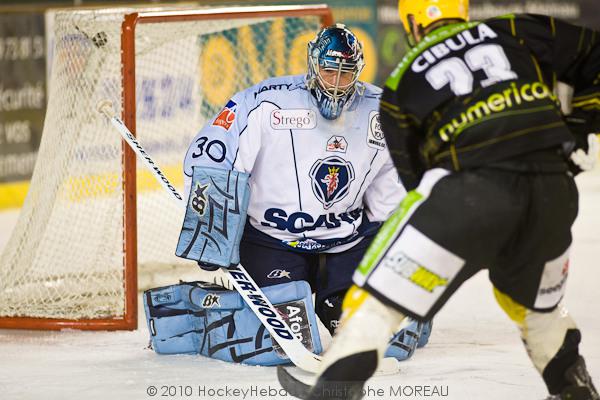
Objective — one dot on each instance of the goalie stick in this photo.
(292, 385)
(238, 276)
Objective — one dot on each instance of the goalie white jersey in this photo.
(316, 184)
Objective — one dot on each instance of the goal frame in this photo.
(129, 321)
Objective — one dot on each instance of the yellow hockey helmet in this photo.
(426, 12)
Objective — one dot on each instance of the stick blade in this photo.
(291, 384)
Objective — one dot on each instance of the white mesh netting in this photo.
(65, 258)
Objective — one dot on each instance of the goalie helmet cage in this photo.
(72, 261)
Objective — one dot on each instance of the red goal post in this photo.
(129, 318)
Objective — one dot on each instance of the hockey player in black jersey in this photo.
(487, 123)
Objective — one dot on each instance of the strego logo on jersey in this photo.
(226, 116)
(375, 138)
(331, 179)
(293, 119)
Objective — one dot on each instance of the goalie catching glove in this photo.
(215, 217)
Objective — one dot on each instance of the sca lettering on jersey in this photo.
(337, 144)
(454, 43)
(331, 179)
(300, 222)
(375, 138)
(272, 87)
(293, 119)
(226, 116)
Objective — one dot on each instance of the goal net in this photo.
(92, 219)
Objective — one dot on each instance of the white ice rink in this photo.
(474, 352)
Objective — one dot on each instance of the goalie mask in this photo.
(335, 59)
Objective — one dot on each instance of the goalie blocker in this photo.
(214, 218)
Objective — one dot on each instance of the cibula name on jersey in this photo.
(457, 42)
(300, 222)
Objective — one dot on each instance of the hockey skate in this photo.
(581, 388)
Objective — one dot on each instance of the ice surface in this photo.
(474, 351)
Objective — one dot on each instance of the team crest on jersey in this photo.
(331, 179)
(375, 137)
(337, 144)
(226, 116)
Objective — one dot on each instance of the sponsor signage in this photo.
(22, 94)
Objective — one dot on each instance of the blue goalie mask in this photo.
(335, 59)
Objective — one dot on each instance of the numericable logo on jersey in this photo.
(293, 119)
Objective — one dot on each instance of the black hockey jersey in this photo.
(479, 92)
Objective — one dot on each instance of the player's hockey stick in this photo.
(241, 280)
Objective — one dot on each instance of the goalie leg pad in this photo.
(366, 326)
(207, 319)
(215, 217)
(176, 315)
(406, 340)
(425, 333)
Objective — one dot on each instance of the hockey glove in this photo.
(208, 267)
(585, 158)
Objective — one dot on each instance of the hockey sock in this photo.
(366, 325)
(330, 311)
(552, 342)
(342, 380)
(567, 355)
